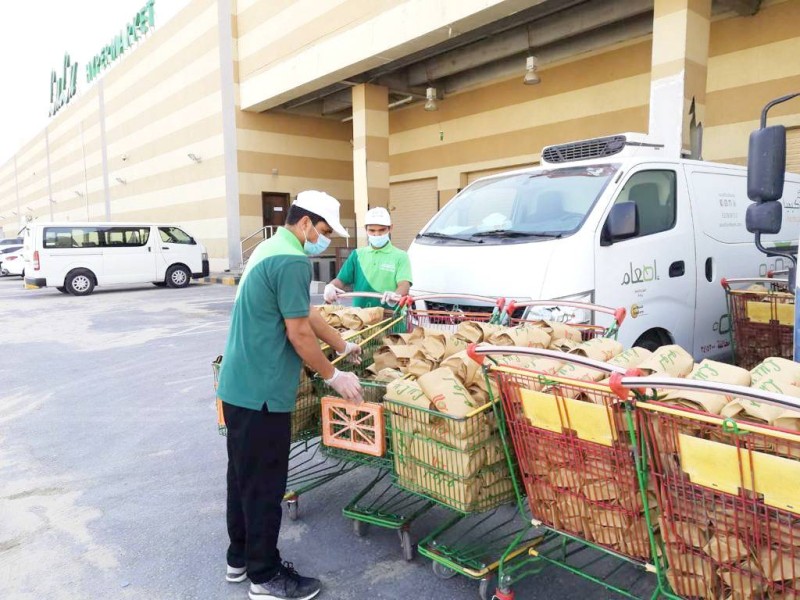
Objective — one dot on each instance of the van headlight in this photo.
(564, 314)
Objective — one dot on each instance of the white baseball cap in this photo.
(323, 205)
(378, 216)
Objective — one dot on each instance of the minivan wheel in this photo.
(652, 340)
(80, 282)
(178, 276)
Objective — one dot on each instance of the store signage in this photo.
(141, 23)
(63, 86)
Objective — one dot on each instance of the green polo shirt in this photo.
(260, 366)
(375, 270)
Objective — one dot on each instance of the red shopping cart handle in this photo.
(479, 353)
(627, 383)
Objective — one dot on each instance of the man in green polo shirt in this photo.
(273, 331)
(379, 267)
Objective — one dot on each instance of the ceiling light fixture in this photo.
(430, 102)
(531, 76)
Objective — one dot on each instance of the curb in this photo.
(222, 279)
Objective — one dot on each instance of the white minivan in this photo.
(610, 221)
(76, 257)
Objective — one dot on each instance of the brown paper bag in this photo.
(636, 541)
(461, 434)
(493, 473)
(606, 515)
(751, 411)
(419, 365)
(475, 332)
(499, 491)
(608, 490)
(453, 462)
(691, 534)
(494, 451)
(670, 360)
(410, 395)
(306, 415)
(463, 367)
(602, 349)
(397, 339)
(458, 493)
(709, 370)
(744, 580)
(790, 421)
(726, 548)
(563, 345)
(632, 357)
(578, 373)
(386, 375)
(334, 319)
(779, 564)
(393, 357)
(776, 369)
(559, 331)
(524, 336)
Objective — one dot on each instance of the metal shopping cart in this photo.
(580, 472)
(474, 540)
(727, 491)
(761, 320)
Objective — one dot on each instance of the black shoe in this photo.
(288, 584)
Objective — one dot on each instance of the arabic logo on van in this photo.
(723, 326)
(641, 274)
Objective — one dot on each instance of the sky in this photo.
(36, 34)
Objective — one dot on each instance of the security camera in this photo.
(124, 157)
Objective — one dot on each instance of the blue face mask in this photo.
(318, 247)
(378, 241)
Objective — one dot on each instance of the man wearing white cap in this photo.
(379, 267)
(273, 332)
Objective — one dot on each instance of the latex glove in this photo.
(331, 293)
(391, 299)
(346, 385)
(352, 352)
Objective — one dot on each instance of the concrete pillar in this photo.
(678, 73)
(370, 151)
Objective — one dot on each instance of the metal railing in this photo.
(249, 243)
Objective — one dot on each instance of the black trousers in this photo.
(258, 465)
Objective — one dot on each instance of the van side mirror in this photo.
(622, 223)
(766, 164)
(764, 217)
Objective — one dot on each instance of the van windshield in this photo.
(547, 203)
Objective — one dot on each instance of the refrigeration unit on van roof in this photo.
(623, 145)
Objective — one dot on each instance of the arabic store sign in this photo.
(141, 23)
(63, 86)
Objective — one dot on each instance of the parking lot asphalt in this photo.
(112, 473)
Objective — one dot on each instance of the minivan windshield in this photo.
(547, 203)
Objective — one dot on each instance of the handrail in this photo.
(265, 232)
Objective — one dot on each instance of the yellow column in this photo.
(370, 151)
(678, 73)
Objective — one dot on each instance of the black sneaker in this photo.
(288, 584)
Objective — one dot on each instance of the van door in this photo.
(177, 246)
(652, 275)
(128, 255)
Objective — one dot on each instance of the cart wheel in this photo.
(360, 528)
(487, 587)
(293, 508)
(443, 572)
(406, 545)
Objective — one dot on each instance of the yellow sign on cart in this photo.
(590, 422)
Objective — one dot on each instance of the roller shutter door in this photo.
(793, 150)
(475, 175)
(412, 204)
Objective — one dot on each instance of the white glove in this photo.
(352, 352)
(390, 299)
(346, 385)
(331, 293)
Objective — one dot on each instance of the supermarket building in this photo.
(218, 118)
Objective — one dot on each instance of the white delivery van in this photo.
(76, 257)
(609, 221)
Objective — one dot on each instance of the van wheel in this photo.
(62, 289)
(178, 276)
(653, 340)
(80, 282)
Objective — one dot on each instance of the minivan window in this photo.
(173, 235)
(126, 236)
(71, 237)
(543, 203)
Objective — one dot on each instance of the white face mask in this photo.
(378, 241)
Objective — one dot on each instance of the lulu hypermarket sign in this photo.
(64, 86)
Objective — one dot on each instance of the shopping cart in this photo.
(761, 321)
(310, 467)
(577, 460)
(728, 493)
(477, 538)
